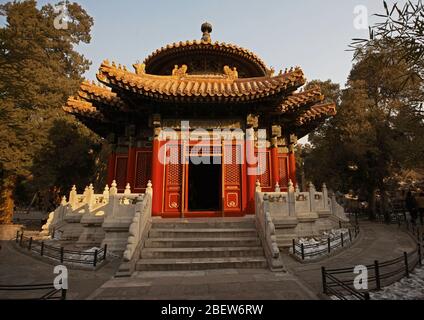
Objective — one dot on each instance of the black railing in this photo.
(21, 292)
(328, 245)
(60, 253)
(339, 282)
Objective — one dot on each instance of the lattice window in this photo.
(175, 168)
(232, 161)
(283, 171)
(265, 178)
(121, 171)
(143, 169)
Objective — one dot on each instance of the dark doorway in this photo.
(204, 187)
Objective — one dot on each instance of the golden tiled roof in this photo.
(300, 99)
(201, 45)
(95, 92)
(316, 112)
(83, 108)
(211, 88)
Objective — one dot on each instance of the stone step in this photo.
(216, 252)
(202, 232)
(202, 242)
(200, 263)
(195, 223)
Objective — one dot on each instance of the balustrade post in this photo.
(325, 196)
(350, 235)
(405, 257)
(113, 188)
(329, 244)
(377, 275)
(291, 199)
(312, 197)
(73, 197)
(21, 239)
(277, 188)
(294, 246)
(341, 238)
(42, 248)
(17, 236)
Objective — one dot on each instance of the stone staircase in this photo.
(199, 244)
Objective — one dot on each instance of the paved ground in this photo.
(303, 281)
(376, 242)
(20, 268)
(240, 284)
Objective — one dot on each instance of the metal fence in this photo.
(330, 244)
(60, 253)
(339, 282)
(45, 291)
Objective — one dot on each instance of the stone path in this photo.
(19, 268)
(225, 284)
(303, 281)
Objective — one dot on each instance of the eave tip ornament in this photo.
(206, 29)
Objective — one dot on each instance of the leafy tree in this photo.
(39, 69)
(402, 29)
(376, 132)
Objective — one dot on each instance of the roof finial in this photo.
(206, 29)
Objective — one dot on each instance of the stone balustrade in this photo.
(266, 231)
(299, 214)
(95, 219)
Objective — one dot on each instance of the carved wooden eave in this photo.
(82, 108)
(183, 87)
(300, 100)
(93, 93)
(313, 118)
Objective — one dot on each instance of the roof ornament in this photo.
(140, 68)
(179, 72)
(270, 72)
(232, 74)
(206, 29)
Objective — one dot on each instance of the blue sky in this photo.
(309, 33)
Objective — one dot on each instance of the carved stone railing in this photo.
(139, 223)
(266, 230)
(295, 203)
(84, 214)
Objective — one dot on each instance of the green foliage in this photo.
(39, 69)
(402, 29)
(376, 132)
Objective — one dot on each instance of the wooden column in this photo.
(157, 168)
(274, 163)
(251, 178)
(292, 164)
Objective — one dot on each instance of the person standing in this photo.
(411, 206)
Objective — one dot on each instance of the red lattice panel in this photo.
(143, 169)
(121, 171)
(283, 171)
(265, 178)
(232, 160)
